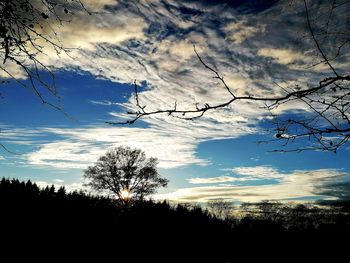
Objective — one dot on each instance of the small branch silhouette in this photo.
(327, 123)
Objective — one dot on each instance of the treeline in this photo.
(28, 211)
(36, 204)
(32, 215)
(316, 217)
(25, 203)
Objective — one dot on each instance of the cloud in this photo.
(12, 70)
(89, 32)
(213, 180)
(239, 31)
(242, 174)
(60, 181)
(298, 184)
(183, 50)
(237, 82)
(133, 41)
(164, 56)
(282, 56)
(97, 6)
(103, 102)
(21, 136)
(339, 190)
(69, 148)
(261, 172)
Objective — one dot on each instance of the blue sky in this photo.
(216, 156)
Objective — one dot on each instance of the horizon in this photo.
(226, 154)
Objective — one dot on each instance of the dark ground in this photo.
(76, 225)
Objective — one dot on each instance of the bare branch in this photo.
(325, 125)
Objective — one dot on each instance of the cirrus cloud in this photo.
(296, 185)
(76, 148)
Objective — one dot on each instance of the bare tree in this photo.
(27, 30)
(327, 124)
(126, 173)
(220, 208)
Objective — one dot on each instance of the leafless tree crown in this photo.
(27, 30)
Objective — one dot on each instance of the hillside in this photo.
(46, 216)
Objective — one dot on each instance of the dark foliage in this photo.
(44, 217)
(60, 223)
(123, 169)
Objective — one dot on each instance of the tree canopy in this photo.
(125, 172)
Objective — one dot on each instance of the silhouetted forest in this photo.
(49, 217)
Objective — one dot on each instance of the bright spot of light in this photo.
(125, 194)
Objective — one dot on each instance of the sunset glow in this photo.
(125, 194)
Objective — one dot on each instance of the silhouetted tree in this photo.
(127, 173)
(61, 192)
(220, 208)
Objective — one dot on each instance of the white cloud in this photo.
(261, 172)
(182, 50)
(88, 32)
(168, 64)
(103, 102)
(97, 6)
(239, 31)
(60, 181)
(174, 145)
(12, 70)
(214, 180)
(236, 82)
(132, 42)
(245, 174)
(282, 56)
(294, 185)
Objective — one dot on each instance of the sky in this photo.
(253, 44)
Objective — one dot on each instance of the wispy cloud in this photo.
(214, 180)
(282, 56)
(105, 103)
(239, 31)
(133, 41)
(97, 6)
(260, 172)
(242, 174)
(14, 70)
(236, 44)
(297, 184)
(68, 148)
(60, 181)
